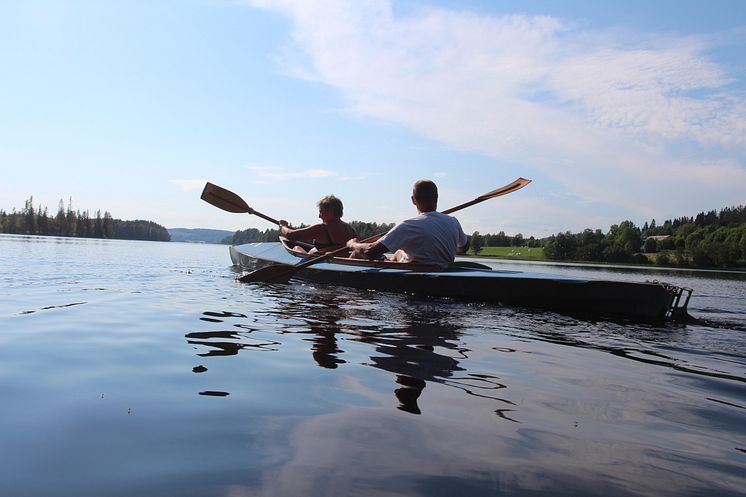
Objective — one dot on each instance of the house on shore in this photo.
(657, 238)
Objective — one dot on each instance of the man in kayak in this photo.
(429, 238)
(331, 234)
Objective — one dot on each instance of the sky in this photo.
(631, 110)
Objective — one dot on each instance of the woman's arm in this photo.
(309, 233)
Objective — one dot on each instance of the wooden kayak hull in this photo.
(650, 301)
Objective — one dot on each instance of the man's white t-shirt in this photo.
(429, 238)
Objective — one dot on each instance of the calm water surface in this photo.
(139, 368)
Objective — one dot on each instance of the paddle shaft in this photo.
(264, 216)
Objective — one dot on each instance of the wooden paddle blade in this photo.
(510, 188)
(277, 273)
(224, 199)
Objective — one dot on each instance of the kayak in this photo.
(647, 301)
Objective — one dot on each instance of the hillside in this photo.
(198, 235)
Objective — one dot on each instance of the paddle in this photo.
(281, 273)
(229, 201)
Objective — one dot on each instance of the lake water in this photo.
(142, 368)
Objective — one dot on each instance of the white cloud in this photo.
(640, 121)
(282, 174)
(188, 185)
(357, 177)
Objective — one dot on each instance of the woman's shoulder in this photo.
(338, 223)
(315, 229)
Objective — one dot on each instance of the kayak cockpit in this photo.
(301, 251)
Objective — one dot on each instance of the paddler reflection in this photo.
(409, 352)
(416, 342)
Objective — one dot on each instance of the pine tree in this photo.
(477, 242)
(98, 227)
(72, 220)
(61, 220)
(108, 227)
(30, 216)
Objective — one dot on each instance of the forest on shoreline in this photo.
(68, 222)
(709, 239)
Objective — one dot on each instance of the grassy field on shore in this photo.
(523, 253)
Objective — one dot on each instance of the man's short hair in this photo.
(425, 191)
(333, 203)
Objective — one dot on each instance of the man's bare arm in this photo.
(462, 249)
(373, 250)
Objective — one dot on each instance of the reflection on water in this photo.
(48, 307)
(216, 341)
(425, 348)
(211, 393)
(573, 397)
(426, 345)
(325, 347)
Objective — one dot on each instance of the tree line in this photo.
(252, 235)
(68, 222)
(710, 239)
(502, 240)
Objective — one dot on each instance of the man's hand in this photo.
(360, 250)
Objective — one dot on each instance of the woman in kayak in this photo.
(331, 234)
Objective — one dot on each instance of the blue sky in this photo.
(616, 110)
